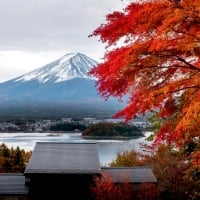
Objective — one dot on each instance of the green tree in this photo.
(112, 129)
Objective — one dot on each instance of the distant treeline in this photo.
(112, 129)
(68, 127)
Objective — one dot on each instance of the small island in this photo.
(112, 130)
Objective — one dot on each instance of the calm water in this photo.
(107, 148)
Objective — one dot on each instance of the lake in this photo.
(107, 148)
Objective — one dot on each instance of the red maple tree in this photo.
(153, 56)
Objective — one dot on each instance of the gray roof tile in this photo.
(130, 174)
(13, 184)
(64, 158)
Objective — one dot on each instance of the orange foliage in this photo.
(106, 189)
(13, 160)
(157, 65)
(196, 158)
(148, 191)
(177, 177)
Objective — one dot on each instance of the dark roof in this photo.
(13, 184)
(130, 174)
(64, 158)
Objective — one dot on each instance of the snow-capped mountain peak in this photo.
(70, 66)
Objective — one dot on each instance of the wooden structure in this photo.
(63, 170)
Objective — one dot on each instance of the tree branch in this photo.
(187, 63)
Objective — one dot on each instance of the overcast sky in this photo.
(36, 32)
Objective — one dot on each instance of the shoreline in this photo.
(87, 137)
(113, 137)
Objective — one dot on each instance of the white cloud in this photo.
(16, 63)
(34, 32)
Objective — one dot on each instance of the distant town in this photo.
(21, 124)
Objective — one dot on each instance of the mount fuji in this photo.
(62, 87)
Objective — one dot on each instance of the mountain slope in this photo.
(68, 67)
(64, 83)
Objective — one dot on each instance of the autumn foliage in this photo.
(13, 160)
(153, 57)
(105, 189)
(177, 179)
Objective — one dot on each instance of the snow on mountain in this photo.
(62, 87)
(70, 66)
